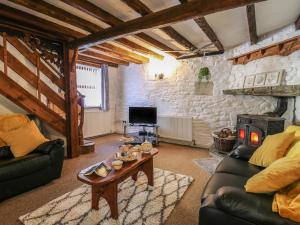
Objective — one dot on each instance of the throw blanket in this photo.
(287, 202)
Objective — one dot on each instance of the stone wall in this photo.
(174, 95)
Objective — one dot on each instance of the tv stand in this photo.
(143, 135)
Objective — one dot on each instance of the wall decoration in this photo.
(249, 81)
(274, 78)
(203, 74)
(260, 79)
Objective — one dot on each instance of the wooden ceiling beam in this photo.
(112, 20)
(119, 50)
(88, 59)
(28, 20)
(104, 57)
(297, 23)
(164, 17)
(117, 55)
(57, 13)
(143, 10)
(88, 64)
(206, 28)
(201, 54)
(252, 23)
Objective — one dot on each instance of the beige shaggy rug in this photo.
(138, 203)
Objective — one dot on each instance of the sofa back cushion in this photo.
(23, 140)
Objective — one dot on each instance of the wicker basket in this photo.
(223, 144)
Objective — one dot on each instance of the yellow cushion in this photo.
(294, 150)
(24, 139)
(274, 147)
(293, 128)
(12, 122)
(2, 143)
(279, 174)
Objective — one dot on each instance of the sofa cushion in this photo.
(219, 180)
(5, 153)
(237, 167)
(18, 167)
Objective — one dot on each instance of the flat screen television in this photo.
(143, 115)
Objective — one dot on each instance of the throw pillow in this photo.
(5, 153)
(12, 122)
(278, 175)
(23, 140)
(274, 147)
(2, 143)
(294, 150)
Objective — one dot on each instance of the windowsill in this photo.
(93, 109)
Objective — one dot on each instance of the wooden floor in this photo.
(171, 157)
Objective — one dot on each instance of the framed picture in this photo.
(274, 78)
(249, 81)
(260, 79)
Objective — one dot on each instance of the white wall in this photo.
(175, 94)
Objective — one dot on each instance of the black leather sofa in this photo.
(225, 202)
(22, 174)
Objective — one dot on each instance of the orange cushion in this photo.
(2, 143)
(12, 122)
(23, 140)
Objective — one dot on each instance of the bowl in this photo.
(117, 164)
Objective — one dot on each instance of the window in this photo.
(89, 85)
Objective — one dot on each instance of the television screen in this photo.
(144, 115)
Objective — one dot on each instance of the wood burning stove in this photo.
(252, 129)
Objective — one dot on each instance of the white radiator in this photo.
(178, 128)
(97, 123)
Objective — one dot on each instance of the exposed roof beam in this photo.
(88, 59)
(64, 16)
(117, 55)
(119, 50)
(297, 23)
(57, 13)
(201, 54)
(28, 20)
(167, 16)
(110, 19)
(252, 23)
(104, 57)
(206, 28)
(88, 63)
(143, 10)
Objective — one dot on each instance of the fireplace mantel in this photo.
(276, 91)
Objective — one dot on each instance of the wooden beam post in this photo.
(252, 23)
(71, 102)
(164, 17)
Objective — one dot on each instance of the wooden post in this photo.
(5, 52)
(38, 74)
(71, 102)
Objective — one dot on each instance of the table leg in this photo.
(110, 193)
(147, 168)
(134, 176)
(95, 197)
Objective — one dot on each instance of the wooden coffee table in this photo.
(107, 187)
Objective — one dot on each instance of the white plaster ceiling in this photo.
(230, 26)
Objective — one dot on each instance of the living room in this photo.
(149, 112)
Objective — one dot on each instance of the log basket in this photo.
(224, 140)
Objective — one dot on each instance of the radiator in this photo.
(97, 123)
(177, 128)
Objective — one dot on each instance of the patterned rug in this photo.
(138, 203)
(209, 164)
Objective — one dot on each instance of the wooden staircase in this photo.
(35, 79)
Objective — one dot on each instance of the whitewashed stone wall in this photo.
(175, 96)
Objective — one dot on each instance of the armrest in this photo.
(242, 152)
(48, 146)
(256, 208)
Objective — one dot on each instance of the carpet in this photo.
(209, 164)
(138, 203)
